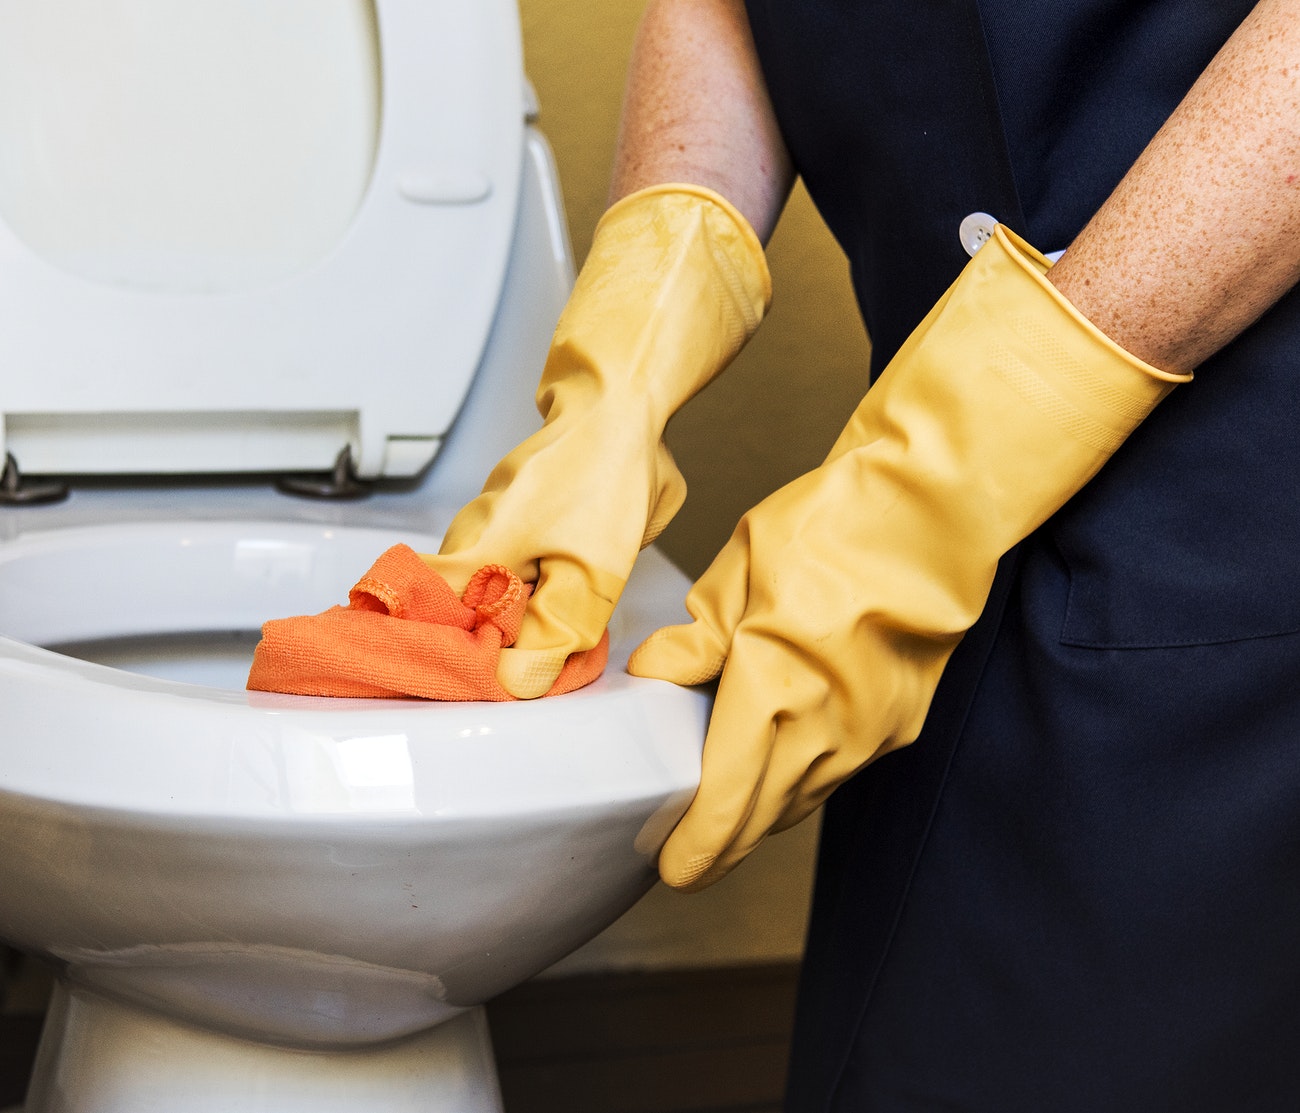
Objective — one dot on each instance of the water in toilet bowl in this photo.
(177, 601)
(213, 658)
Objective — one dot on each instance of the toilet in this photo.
(325, 243)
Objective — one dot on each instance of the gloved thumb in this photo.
(689, 654)
(696, 651)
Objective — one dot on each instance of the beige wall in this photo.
(771, 417)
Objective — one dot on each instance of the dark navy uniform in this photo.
(1079, 890)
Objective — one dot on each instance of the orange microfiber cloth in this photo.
(404, 633)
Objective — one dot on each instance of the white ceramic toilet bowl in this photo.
(259, 902)
(276, 902)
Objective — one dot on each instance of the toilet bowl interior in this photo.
(212, 658)
(182, 601)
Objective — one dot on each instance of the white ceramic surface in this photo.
(270, 903)
(175, 1067)
(316, 872)
(294, 871)
(372, 345)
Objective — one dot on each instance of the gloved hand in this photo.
(674, 285)
(838, 600)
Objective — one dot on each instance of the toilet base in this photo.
(100, 1056)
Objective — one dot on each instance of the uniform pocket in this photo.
(1188, 598)
(1191, 534)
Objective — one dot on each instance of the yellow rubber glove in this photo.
(674, 285)
(839, 599)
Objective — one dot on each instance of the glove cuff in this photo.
(1036, 265)
(674, 285)
(1058, 360)
(741, 250)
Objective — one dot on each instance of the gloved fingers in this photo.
(815, 786)
(691, 856)
(695, 652)
(801, 809)
(568, 612)
(692, 653)
(737, 753)
(747, 840)
(530, 673)
(704, 871)
(800, 775)
(772, 755)
(789, 799)
(700, 869)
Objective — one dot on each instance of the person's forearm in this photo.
(1203, 233)
(697, 111)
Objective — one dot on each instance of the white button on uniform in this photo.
(975, 231)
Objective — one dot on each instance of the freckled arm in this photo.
(1203, 233)
(696, 110)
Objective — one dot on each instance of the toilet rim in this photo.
(111, 579)
(88, 734)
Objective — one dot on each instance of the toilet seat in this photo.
(122, 740)
(374, 347)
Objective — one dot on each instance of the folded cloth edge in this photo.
(405, 634)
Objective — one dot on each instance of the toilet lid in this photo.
(372, 347)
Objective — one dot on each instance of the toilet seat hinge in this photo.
(340, 483)
(17, 491)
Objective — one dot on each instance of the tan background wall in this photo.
(771, 417)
